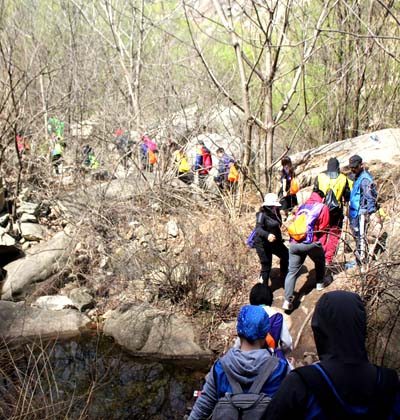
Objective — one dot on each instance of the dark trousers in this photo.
(265, 250)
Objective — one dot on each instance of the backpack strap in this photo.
(320, 384)
(266, 370)
(235, 385)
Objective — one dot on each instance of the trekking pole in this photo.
(362, 256)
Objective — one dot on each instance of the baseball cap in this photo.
(253, 322)
(354, 161)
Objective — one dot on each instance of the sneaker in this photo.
(287, 305)
(326, 282)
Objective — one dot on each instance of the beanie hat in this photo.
(253, 322)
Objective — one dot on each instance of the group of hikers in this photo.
(146, 151)
(251, 382)
(317, 226)
(228, 173)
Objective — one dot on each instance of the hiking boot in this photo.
(287, 304)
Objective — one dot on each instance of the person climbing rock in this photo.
(362, 205)
(287, 199)
(312, 239)
(268, 239)
(340, 186)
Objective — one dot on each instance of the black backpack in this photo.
(331, 201)
(251, 405)
(334, 408)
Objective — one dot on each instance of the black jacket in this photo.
(339, 327)
(268, 221)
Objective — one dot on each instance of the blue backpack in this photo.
(250, 239)
(328, 405)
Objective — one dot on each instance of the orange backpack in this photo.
(294, 186)
(233, 175)
(152, 157)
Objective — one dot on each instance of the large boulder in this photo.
(144, 330)
(371, 147)
(21, 322)
(42, 261)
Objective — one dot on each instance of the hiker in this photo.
(268, 238)
(23, 145)
(227, 175)
(262, 295)
(148, 152)
(242, 366)
(309, 243)
(89, 158)
(56, 150)
(287, 199)
(55, 127)
(362, 206)
(339, 326)
(183, 167)
(122, 143)
(333, 179)
(202, 163)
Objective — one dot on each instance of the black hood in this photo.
(333, 168)
(340, 326)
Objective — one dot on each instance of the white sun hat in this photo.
(271, 199)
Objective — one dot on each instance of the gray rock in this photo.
(144, 330)
(311, 162)
(28, 218)
(2, 195)
(27, 207)
(81, 299)
(53, 302)
(6, 239)
(4, 218)
(21, 322)
(26, 245)
(32, 231)
(172, 228)
(42, 261)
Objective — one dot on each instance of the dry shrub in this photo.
(28, 387)
(380, 289)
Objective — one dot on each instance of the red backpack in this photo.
(207, 159)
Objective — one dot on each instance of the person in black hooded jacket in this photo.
(268, 238)
(339, 326)
(340, 185)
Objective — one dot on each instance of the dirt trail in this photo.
(299, 319)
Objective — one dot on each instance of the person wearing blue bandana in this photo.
(243, 364)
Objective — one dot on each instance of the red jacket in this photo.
(322, 223)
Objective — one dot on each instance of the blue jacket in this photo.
(244, 366)
(223, 167)
(362, 196)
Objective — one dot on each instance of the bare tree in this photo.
(261, 38)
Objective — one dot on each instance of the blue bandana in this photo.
(253, 322)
